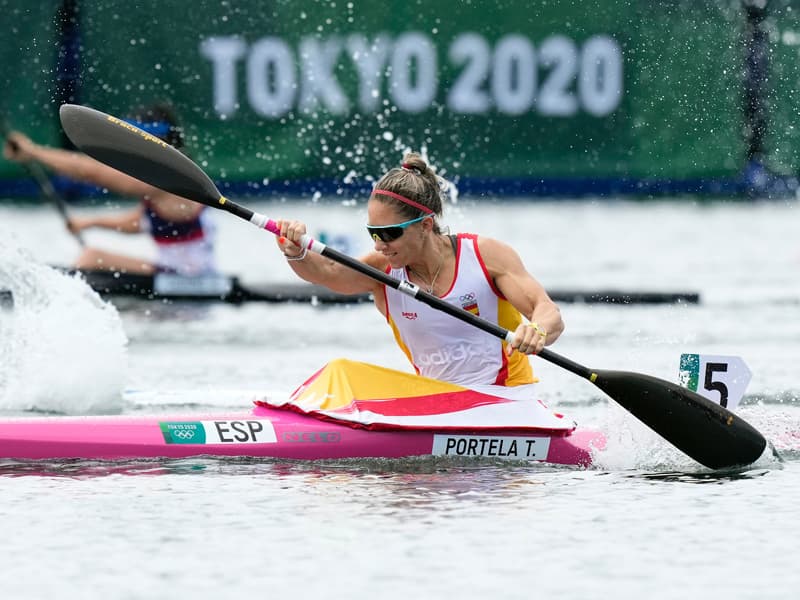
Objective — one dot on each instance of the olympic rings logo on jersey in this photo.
(469, 302)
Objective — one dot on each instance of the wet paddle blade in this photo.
(708, 433)
(139, 154)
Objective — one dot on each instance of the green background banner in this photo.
(782, 90)
(331, 93)
(28, 58)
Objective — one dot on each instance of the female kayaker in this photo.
(181, 229)
(478, 273)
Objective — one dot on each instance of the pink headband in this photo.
(404, 200)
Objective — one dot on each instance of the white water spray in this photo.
(62, 348)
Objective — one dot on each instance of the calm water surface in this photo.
(645, 520)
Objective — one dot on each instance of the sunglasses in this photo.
(389, 233)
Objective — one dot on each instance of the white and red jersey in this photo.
(442, 347)
(184, 247)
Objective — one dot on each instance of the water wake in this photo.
(62, 348)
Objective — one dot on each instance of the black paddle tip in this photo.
(129, 149)
(705, 431)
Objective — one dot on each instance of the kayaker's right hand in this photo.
(529, 338)
(289, 238)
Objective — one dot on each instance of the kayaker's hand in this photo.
(289, 238)
(529, 338)
(18, 147)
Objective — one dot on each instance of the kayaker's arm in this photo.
(525, 293)
(319, 270)
(127, 222)
(75, 165)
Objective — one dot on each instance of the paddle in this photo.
(705, 431)
(45, 185)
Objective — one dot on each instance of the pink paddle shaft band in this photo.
(404, 200)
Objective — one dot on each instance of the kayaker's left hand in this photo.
(529, 338)
(18, 147)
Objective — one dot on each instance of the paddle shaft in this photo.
(39, 175)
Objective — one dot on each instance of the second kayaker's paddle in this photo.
(37, 172)
(707, 432)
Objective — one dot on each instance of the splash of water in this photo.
(62, 349)
(631, 445)
(447, 188)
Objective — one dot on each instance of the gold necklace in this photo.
(435, 275)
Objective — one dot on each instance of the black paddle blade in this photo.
(129, 149)
(708, 433)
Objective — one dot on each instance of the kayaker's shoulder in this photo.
(496, 254)
(376, 260)
(490, 244)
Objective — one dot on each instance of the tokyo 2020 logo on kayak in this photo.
(183, 433)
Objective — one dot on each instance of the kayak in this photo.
(346, 409)
(269, 432)
(228, 288)
(207, 288)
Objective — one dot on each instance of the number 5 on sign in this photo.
(721, 379)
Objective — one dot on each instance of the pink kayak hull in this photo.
(270, 433)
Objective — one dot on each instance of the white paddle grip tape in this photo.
(509, 337)
(408, 288)
(306, 241)
(259, 220)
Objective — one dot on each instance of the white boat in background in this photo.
(228, 288)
